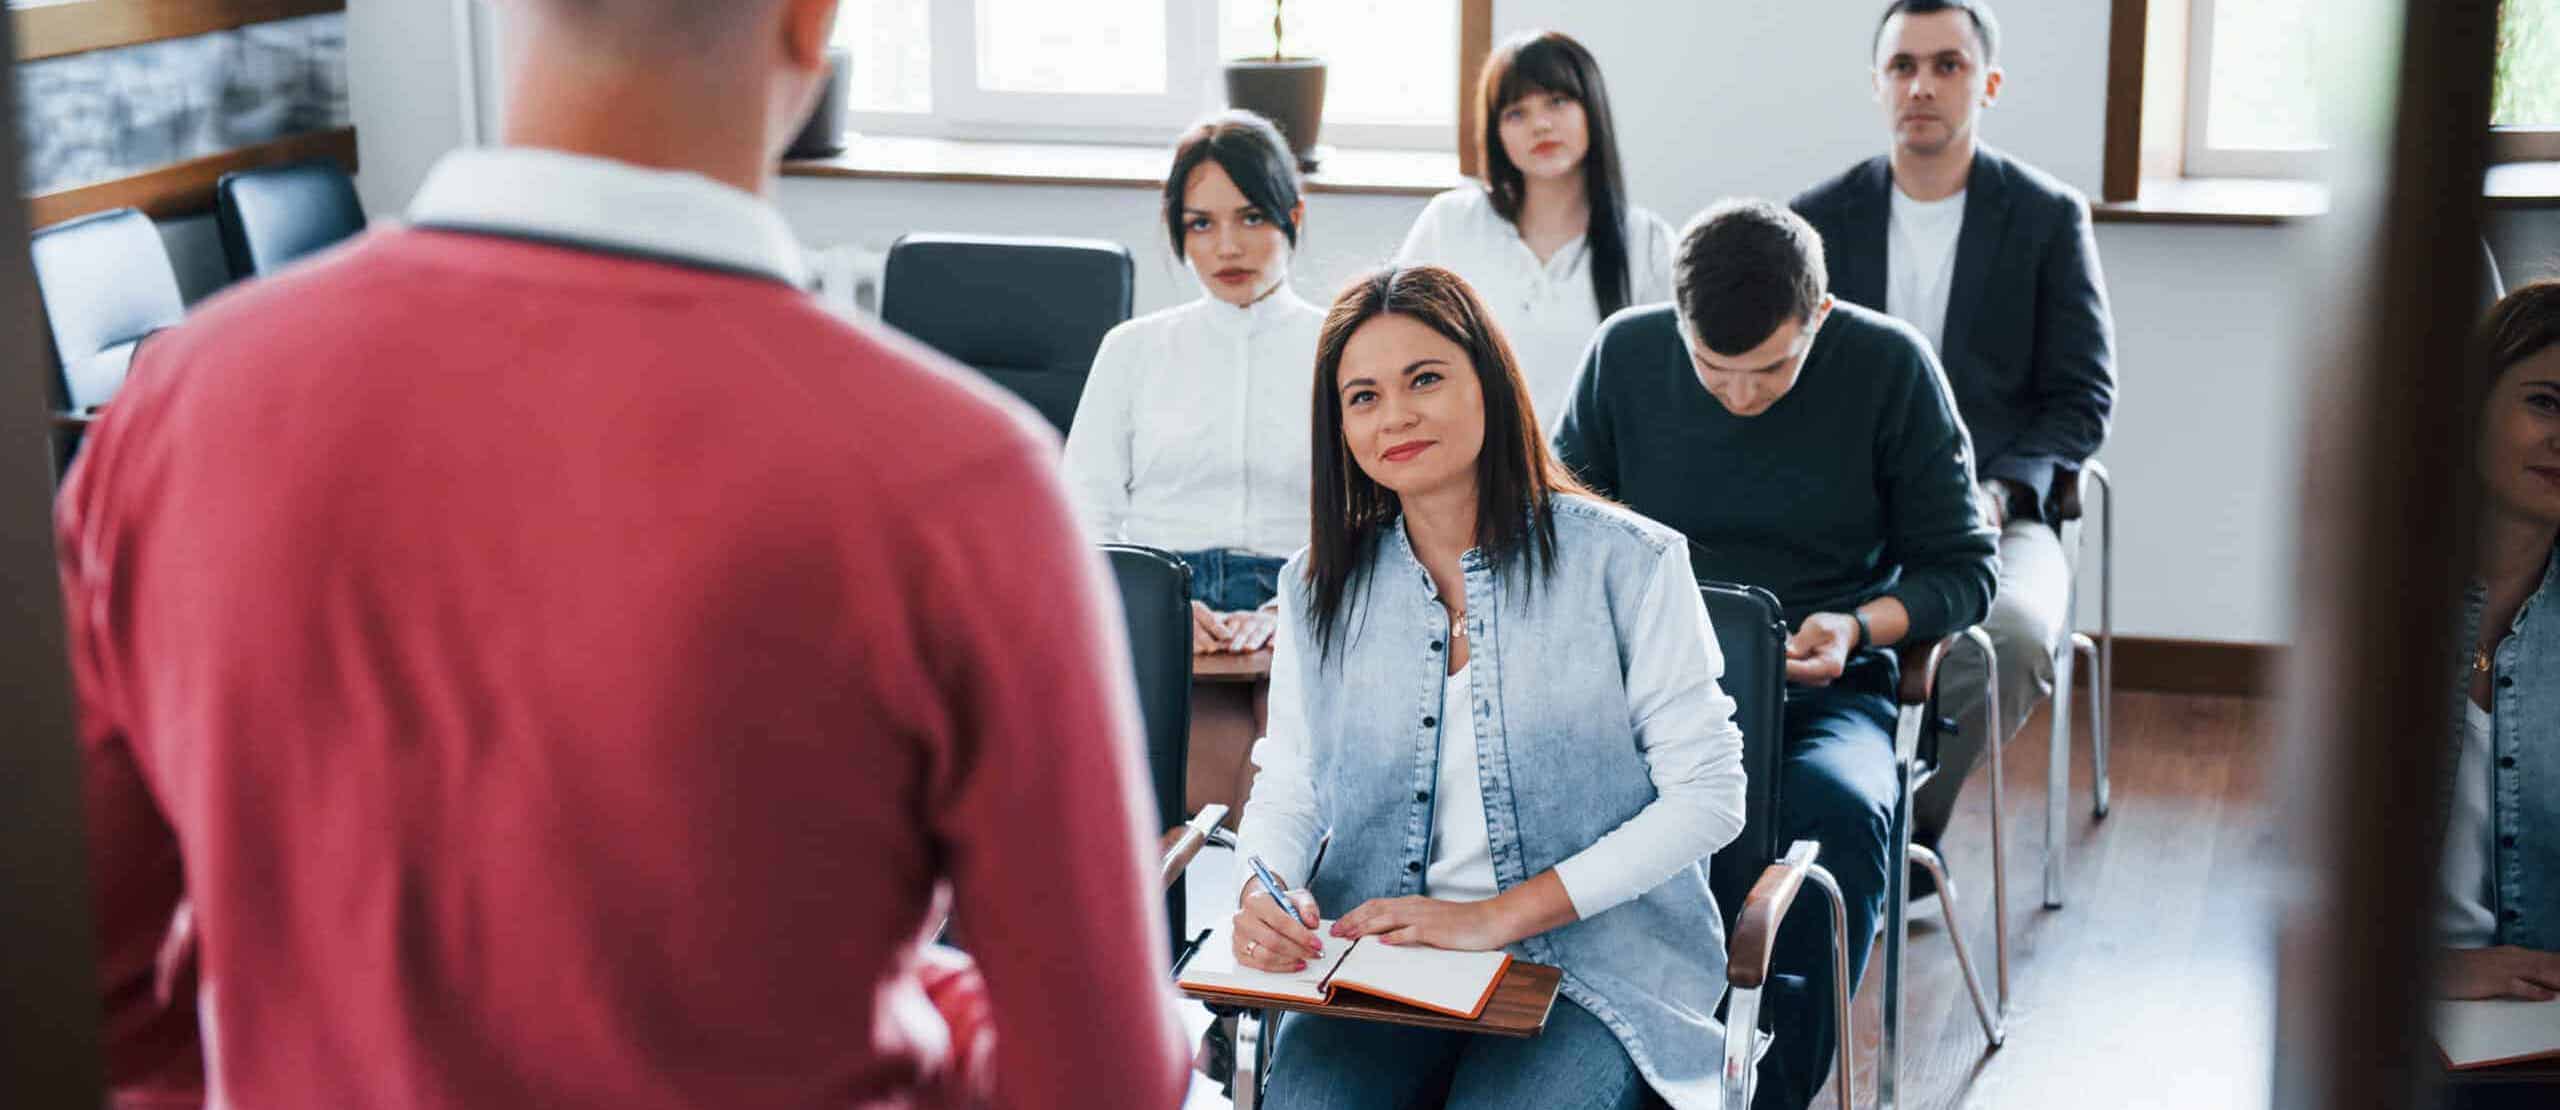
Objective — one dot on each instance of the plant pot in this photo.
(1289, 92)
(823, 136)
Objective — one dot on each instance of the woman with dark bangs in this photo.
(1548, 240)
(1502, 693)
(1192, 433)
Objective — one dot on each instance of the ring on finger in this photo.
(1251, 946)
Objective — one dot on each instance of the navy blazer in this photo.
(2030, 343)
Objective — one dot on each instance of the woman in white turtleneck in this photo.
(1192, 434)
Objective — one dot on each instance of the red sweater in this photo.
(555, 679)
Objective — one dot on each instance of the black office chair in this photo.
(1756, 878)
(1155, 597)
(275, 215)
(1027, 313)
(106, 284)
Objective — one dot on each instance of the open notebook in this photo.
(2485, 1034)
(1454, 983)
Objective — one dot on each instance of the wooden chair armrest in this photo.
(2067, 503)
(1755, 929)
(1182, 843)
(1920, 663)
(76, 420)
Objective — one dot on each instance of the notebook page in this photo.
(1455, 983)
(1214, 968)
(2479, 1033)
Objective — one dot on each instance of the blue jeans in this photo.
(1229, 581)
(1836, 787)
(1325, 1063)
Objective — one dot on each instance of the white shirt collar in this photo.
(613, 206)
(1279, 305)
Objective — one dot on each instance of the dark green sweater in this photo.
(1856, 484)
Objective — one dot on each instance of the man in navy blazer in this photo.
(1995, 262)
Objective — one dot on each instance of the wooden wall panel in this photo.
(50, 30)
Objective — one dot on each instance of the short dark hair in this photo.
(1744, 267)
(1255, 157)
(1986, 26)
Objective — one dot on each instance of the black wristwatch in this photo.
(1866, 635)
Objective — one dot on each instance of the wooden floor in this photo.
(2154, 984)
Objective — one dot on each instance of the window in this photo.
(1136, 70)
(2251, 106)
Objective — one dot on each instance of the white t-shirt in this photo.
(1546, 309)
(1920, 255)
(2463, 918)
(1461, 850)
(1193, 433)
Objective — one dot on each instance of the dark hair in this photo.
(1516, 477)
(1550, 61)
(1743, 268)
(1255, 157)
(1985, 25)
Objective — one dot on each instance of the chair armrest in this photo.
(1920, 663)
(2068, 503)
(1182, 844)
(1755, 929)
(66, 421)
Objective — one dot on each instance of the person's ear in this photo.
(1991, 82)
(807, 27)
(1298, 218)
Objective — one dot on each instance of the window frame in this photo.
(1194, 86)
(2205, 160)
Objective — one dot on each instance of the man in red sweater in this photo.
(536, 656)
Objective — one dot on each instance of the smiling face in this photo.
(2520, 438)
(1412, 407)
(1545, 134)
(1239, 253)
(1747, 384)
(1931, 78)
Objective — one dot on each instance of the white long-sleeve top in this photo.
(1193, 430)
(1692, 751)
(1546, 309)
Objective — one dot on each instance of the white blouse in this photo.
(1692, 751)
(1193, 430)
(1546, 309)
(1461, 850)
(2463, 919)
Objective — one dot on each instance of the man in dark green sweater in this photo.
(1812, 448)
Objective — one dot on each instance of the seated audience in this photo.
(1809, 447)
(1995, 263)
(2498, 918)
(1192, 434)
(1548, 240)
(1561, 762)
(589, 691)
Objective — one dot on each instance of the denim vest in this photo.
(2524, 763)
(1555, 753)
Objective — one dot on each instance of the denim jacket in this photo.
(1559, 769)
(2524, 768)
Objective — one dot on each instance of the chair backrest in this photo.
(106, 282)
(1753, 636)
(1155, 598)
(273, 215)
(1027, 313)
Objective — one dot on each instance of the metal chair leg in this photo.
(2087, 650)
(2106, 676)
(1995, 1024)
(2057, 781)
(1994, 728)
(1250, 1060)
(1897, 935)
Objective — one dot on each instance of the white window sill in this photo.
(1414, 173)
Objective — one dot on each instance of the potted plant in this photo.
(1287, 91)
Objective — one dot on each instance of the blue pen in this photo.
(1271, 886)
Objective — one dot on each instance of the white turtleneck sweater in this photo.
(1193, 429)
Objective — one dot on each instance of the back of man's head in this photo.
(1744, 268)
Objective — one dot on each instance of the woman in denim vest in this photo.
(1500, 694)
(2499, 916)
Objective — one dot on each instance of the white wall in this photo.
(1715, 99)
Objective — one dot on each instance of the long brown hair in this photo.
(1516, 478)
(1551, 61)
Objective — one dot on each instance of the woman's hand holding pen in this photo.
(1269, 938)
